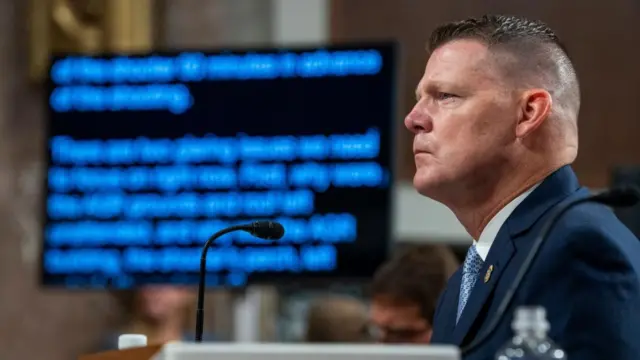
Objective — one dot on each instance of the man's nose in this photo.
(418, 121)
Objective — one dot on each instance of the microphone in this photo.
(625, 196)
(267, 230)
(616, 197)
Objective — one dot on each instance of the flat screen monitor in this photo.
(150, 154)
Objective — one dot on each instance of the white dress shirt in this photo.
(488, 235)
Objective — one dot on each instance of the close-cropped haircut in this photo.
(528, 53)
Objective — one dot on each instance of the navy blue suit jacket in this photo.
(587, 276)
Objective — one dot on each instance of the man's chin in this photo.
(423, 185)
(428, 185)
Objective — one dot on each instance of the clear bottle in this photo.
(530, 341)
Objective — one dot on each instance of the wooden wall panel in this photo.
(603, 38)
(37, 323)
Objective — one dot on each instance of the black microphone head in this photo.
(623, 196)
(267, 230)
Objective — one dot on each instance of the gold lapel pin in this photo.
(487, 276)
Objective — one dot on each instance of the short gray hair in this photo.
(533, 53)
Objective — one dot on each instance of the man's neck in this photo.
(475, 213)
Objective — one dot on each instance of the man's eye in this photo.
(444, 96)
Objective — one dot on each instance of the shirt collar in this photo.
(488, 235)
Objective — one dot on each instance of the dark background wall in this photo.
(58, 325)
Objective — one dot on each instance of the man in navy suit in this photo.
(495, 128)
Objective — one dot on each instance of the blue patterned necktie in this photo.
(470, 271)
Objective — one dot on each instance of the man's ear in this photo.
(535, 108)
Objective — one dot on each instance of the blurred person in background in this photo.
(337, 319)
(495, 133)
(162, 313)
(405, 291)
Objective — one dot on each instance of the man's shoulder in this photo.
(594, 228)
(591, 265)
(589, 215)
(597, 221)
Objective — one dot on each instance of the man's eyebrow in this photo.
(433, 85)
(438, 84)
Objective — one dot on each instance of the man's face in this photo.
(398, 323)
(161, 302)
(464, 119)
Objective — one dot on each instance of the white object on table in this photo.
(127, 341)
(272, 351)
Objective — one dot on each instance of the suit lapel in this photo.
(446, 320)
(555, 188)
(499, 256)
